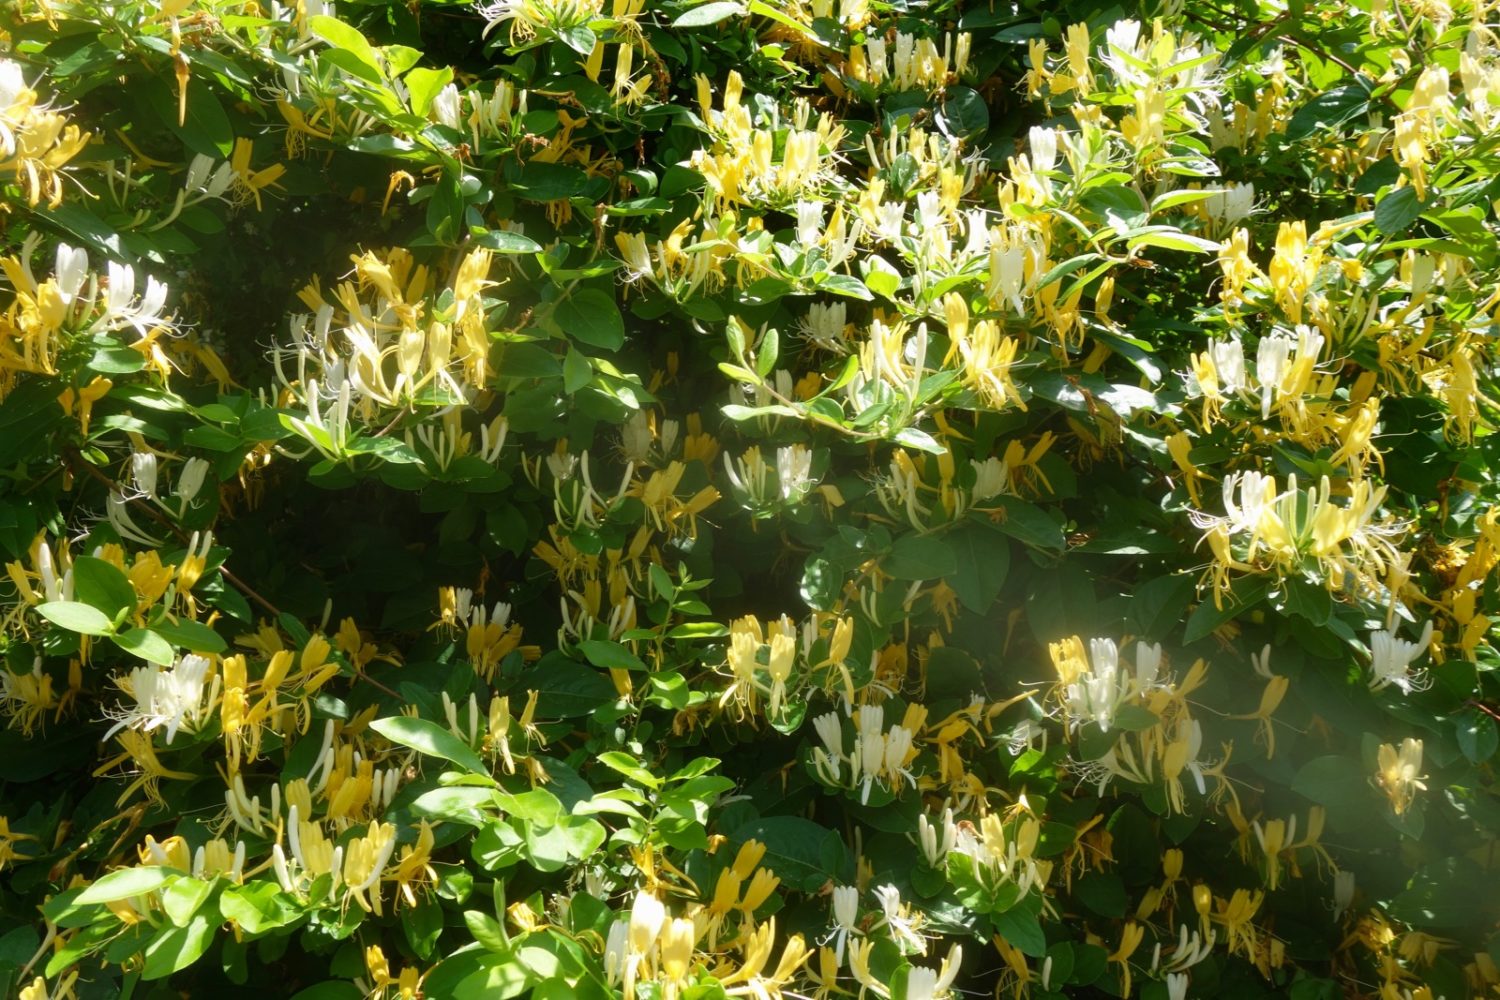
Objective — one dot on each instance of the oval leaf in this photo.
(430, 739)
(76, 617)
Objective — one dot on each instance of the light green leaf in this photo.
(175, 948)
(504, 241)
(183, 897)
(1172, 240)
(430, 739)
(705, 14)
(76, 617)
(629, 767)
(126, 883)
(424, 84)
(345, 37)
(103, 586)
(146, 644)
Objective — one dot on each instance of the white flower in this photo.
(1229, 362)
(1121, 41)
(1177, 984)
(1043, 143)
(562, 465)
(1191, 949)
(616, 951)
(12, 83)
(929, 209)
(889, 218)
(830, 732)
(72, 271)
(120, 306)
(447, 107)
(824, 326)
(118, 515)
(500, 10)
(174, 697)
(934, 850)
(976, 232)
(845, 906)
(1232, 204)
(1098, 694)
(1391, 659)
(809, 222)
(143, 472)
(794, 471)
(121, 288)
(1343, 892)
(1273, 357)
(1147, 665)
(899, 921)
(1007, 270)
(923, 983)
(635, 438)
(190, 480)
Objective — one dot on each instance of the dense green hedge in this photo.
(749, 498)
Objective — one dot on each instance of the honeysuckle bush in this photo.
(749, 498)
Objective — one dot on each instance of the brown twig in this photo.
(166, 522)
(227, 573)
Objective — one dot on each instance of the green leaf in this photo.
(117, 360)
(423, 85)
(1478, 737)
(76, 617)
(430, 739)
(591, 317)
(126, 883)
(915, 437)
(258, 906)
(146, 644)
(183, 897)
(1307, 601)
(705, 14)
(847, 285)
(175, 948)
(983, 561)
(629, 767)
(103, 586)
(610, 655)
(345, 37)
(1030, 524)
(487, 930)
(1172, 240)
(1134, 719)
(1207, 617)
(1340, 784)
(579, 38)
(920, 557)
(206, 129)
(504, 241)
(803, 853)
(1329, 109)
(734, 411)
(1397, 210)
(190, 635)
(1021, 928)
(568, 689)
(577, 371)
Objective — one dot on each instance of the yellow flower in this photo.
(1397, 773)
(249, 183)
